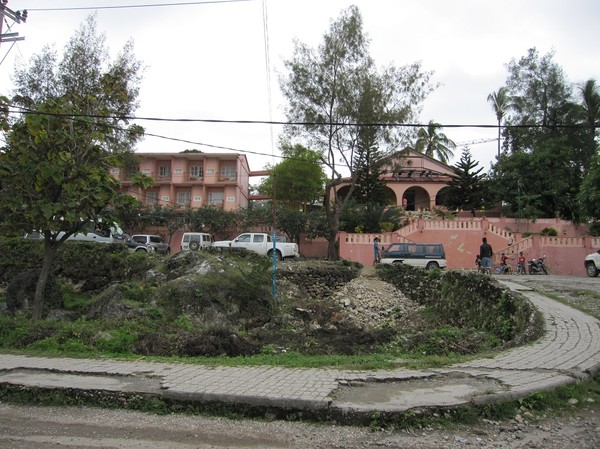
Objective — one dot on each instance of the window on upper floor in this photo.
(164, 171)
(196, 172)
(183, 198)
(215, 198)
(151, 198)
(228, 171)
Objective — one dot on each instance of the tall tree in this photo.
(323, 87)
(541, 97)
(590, 116)
(545, 139)
(468, 188)
(368, 161)
(434, 143)
(55, 166)
(589, 194)
(500, 102)
(298, 180)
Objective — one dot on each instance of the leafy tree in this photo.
(219, 222)
(55, 166)
(368, 159)
(433, 143)
(298, 179)
(546, 134)
(292, 222)
(500, 102)
(468, 188)
(589, 194)
(589, 111)
(539, 184)
(4, 103)
(541, 99)
(324, 86)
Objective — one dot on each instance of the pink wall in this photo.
(461, 240)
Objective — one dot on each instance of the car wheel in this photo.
(194, 246)
(591, 270)
(432, 266)
(141, 250)
(277, 254)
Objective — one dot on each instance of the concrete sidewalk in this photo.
(569, 351)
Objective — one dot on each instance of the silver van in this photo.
(422, 255)
(195, 240)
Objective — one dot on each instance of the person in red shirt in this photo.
(506, 268)
(521, 263)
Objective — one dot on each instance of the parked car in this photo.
(262, 243)
(195, 241)
(136, 247)
(89, 236)
(222, 243)
(592, 264)
(155, 242)
(422, 255)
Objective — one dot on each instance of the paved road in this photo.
(570, 350)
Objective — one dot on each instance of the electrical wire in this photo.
(145, 5)
(288, 123)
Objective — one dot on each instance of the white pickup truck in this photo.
(262, 243)
(592, 264)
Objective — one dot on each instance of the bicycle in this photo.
(503, 269)
(520, 270)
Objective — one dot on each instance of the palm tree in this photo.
(433, 143)
(500, 104)
(590, 114)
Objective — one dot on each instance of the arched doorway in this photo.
(441, 199)
(416, 198)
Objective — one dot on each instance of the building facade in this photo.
(414, 181)
(190, 180)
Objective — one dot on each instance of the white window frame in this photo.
(184, 198)
(216, 198)
(151, 198)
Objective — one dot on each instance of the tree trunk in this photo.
(50, 251)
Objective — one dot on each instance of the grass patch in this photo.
(586, 293)
(573, 304)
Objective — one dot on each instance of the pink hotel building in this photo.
(414, 181)
(190, 180)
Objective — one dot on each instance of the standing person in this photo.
(486, 253)
(521, 263)
(376, 251)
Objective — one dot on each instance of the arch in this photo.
(416, 198)
(390, 195)
(343, 191)
(441, 198)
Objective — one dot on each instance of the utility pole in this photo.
(15, 16)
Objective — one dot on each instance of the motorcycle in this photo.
(537, 266)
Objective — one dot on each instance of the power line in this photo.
(145, 5)
(288, 123)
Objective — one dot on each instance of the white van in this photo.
(195, 240)
(422, 255)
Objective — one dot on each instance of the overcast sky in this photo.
(207, 60)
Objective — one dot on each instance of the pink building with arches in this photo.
(415, 181)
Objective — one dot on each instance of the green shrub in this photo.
(117, 341)
(467, 300)
(551, 232)
(595, 229)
